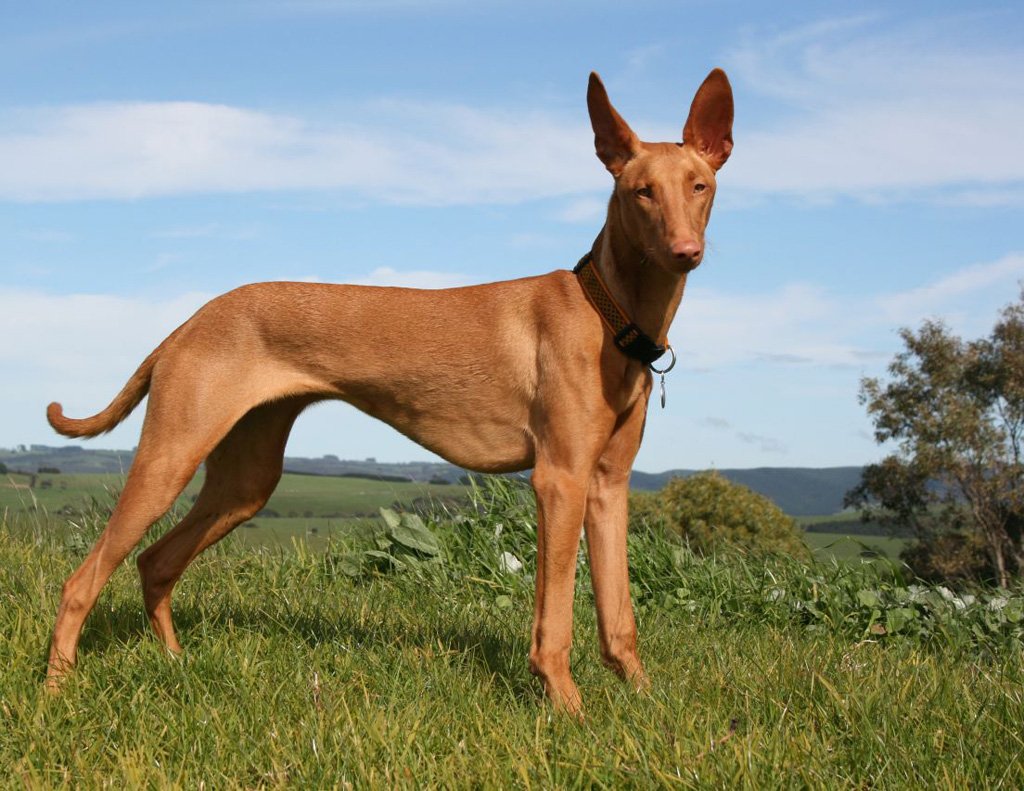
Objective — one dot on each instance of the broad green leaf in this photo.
(391, 518)
(869, 598)
(411, 533)
(897, 618)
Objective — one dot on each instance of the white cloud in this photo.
(877, 111)
(584, 210)
(931, 299)
(860, 107)
(386, 276)
(715, 329)
(991, 197)
(86, 336)
(434, 154)
(801, 324)
(764, 443)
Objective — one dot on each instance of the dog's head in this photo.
(664, 191)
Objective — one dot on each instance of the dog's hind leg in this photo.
(176, 436)
(156, 478)
(241, 474)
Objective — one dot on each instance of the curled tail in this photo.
(122, 405)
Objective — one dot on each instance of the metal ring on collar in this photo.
(671, 365)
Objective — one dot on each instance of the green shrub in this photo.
(712, 513)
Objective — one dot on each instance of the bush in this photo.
(712, 513)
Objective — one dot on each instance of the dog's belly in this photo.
(480, 436)
(483, 448)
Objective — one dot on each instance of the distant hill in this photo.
(800, 491)
(70, 458)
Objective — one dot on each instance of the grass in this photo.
(311, 669)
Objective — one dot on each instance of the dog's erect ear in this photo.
(709, 126)
(614, 141)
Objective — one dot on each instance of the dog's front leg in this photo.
(560, 503)
(606, 522)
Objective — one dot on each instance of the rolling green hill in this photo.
(799, 491)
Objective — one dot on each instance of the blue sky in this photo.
(152, 157)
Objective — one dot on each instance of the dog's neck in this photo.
(649, 294)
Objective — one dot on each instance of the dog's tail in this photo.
(122, 405)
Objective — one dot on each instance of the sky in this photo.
(153, 156)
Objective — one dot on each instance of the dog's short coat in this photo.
(499, 377)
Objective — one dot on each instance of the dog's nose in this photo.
(686, 248)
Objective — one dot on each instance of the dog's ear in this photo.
(614, 141)
(709, 127)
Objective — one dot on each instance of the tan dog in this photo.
(499, 377)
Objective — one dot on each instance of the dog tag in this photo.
(661, 372)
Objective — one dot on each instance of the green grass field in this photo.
(313, 669)
(854, 548)
(316, 499)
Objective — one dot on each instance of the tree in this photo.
(955, 410)
(712, 513)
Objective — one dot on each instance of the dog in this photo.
(550, 373)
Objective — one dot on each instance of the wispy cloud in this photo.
(801, 324)
(762, 442)
(386, 276)
(781, 326)
(860, 107)
(86, 338)
(934, 297)
(397, 152)
(161, 262)
(583, 210)
(875, 110)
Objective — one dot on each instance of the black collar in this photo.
(628, 337)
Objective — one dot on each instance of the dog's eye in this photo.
(699, 187)
(644, 192)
